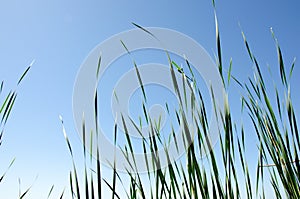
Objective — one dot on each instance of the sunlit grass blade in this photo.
(280, 61)
(291, 70)
(229, 72)
(219, 50)
(247, 46)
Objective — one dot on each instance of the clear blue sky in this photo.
(60, 34)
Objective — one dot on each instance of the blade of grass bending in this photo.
(137, 72)
(280, 60)
(169, 60)
(219, 50)
(291, 71)
(140, 27)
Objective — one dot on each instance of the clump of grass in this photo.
(216, 176)
(5, 111)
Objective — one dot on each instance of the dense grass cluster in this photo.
(216, 175)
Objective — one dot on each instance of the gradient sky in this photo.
(58, 35)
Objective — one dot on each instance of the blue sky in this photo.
(58, 35)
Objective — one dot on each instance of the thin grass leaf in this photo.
(98, 174)
(26, 71)
(62, 194)
(3, 175)
(218, 40)
(280, 60)
(9, 108)
(137, 72)
(214, 3)
(86, 183)
(98, 166)
(71, 152)
(98, 66)
(247, 46)
(291, 70)
(71, 184)
(22, 195)
(1, 86)
(8, 98)
(50, 192)
(179, 69)
(112, 189)
(65, 135)
(144, 29)
(229, 72)
(114, 167)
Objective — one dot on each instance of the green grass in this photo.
(5, 111)
(223, 173)
(275, 126)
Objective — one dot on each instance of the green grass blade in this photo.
(50, 192)
(26, 71)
